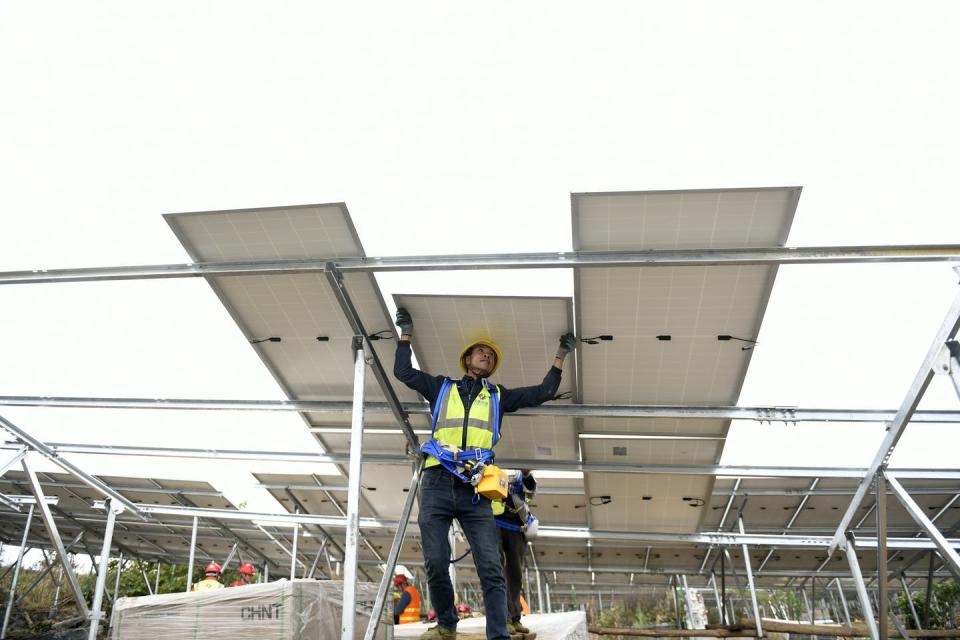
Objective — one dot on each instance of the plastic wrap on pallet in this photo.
(282, 610)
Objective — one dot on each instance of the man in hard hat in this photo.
(406, 609)
(516, 525)
(211, 578)
(246, 572)
(466, 416)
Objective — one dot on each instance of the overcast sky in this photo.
(458, 128)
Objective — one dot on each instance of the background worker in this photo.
(407, 607)
(246, 572)
(516, 524)
(211, 578)
(466, 414)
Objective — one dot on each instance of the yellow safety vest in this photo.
(483, 429)
(207, 585)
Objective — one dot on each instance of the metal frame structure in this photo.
(942, 358)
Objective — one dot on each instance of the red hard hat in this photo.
(464, 608)
(213, 567)
(246, 568)
(399, 579)
(431, 615)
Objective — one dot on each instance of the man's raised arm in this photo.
(513, 399)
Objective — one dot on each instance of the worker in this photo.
(463, 611)
(211, 578)
(406, 609)
(516, 525)
(246, 572)
(466, 418)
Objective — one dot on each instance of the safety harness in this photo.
(467, 463)
(517, 498)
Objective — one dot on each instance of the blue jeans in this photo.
(444, 497)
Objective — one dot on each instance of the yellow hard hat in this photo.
(486, 342)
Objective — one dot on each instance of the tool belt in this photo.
(473, 466)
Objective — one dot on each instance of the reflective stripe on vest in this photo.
(412, 612)
(482, 422)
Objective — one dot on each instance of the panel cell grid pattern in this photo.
(691, 305)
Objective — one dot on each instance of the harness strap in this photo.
(453, 461)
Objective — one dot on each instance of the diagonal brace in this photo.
(946, 332)
(54, 535)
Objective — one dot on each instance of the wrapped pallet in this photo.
(282, 610)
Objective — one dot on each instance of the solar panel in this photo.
(313, 360)
(665, 324)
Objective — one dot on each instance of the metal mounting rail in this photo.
(545, 260)
(761, 414)
(511, 463)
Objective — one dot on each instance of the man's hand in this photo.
(405, 322)
(568, 343)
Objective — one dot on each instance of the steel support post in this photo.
(293, 554)
(96, 612)
(928, 599)
(947, 331)
(540, 608)
(843, 603)
(156, 580)
(723, 588)
(716, 596)
(348, 618)
(882, 600)
(906, 591)
(56, 594)
(547, 593)
(116, 582)
(813, 601)
(916, 512)
(54, 535)
(193, 555)
(676, 601)
(391, 562)
(143, 574)
(16, 573)
(851, 553)
(753, 590)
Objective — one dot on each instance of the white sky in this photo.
(463, 128)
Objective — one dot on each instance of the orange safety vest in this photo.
(412, 612)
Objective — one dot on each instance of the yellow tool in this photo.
(493, 484)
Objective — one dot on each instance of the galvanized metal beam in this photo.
(54, 536)
(552, 465)
(540, 260)
(947, 331)
(944, 547)
(680, 412)
(68, 466)
(335, 279)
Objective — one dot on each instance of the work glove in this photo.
(405, 322)
(567, 344)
